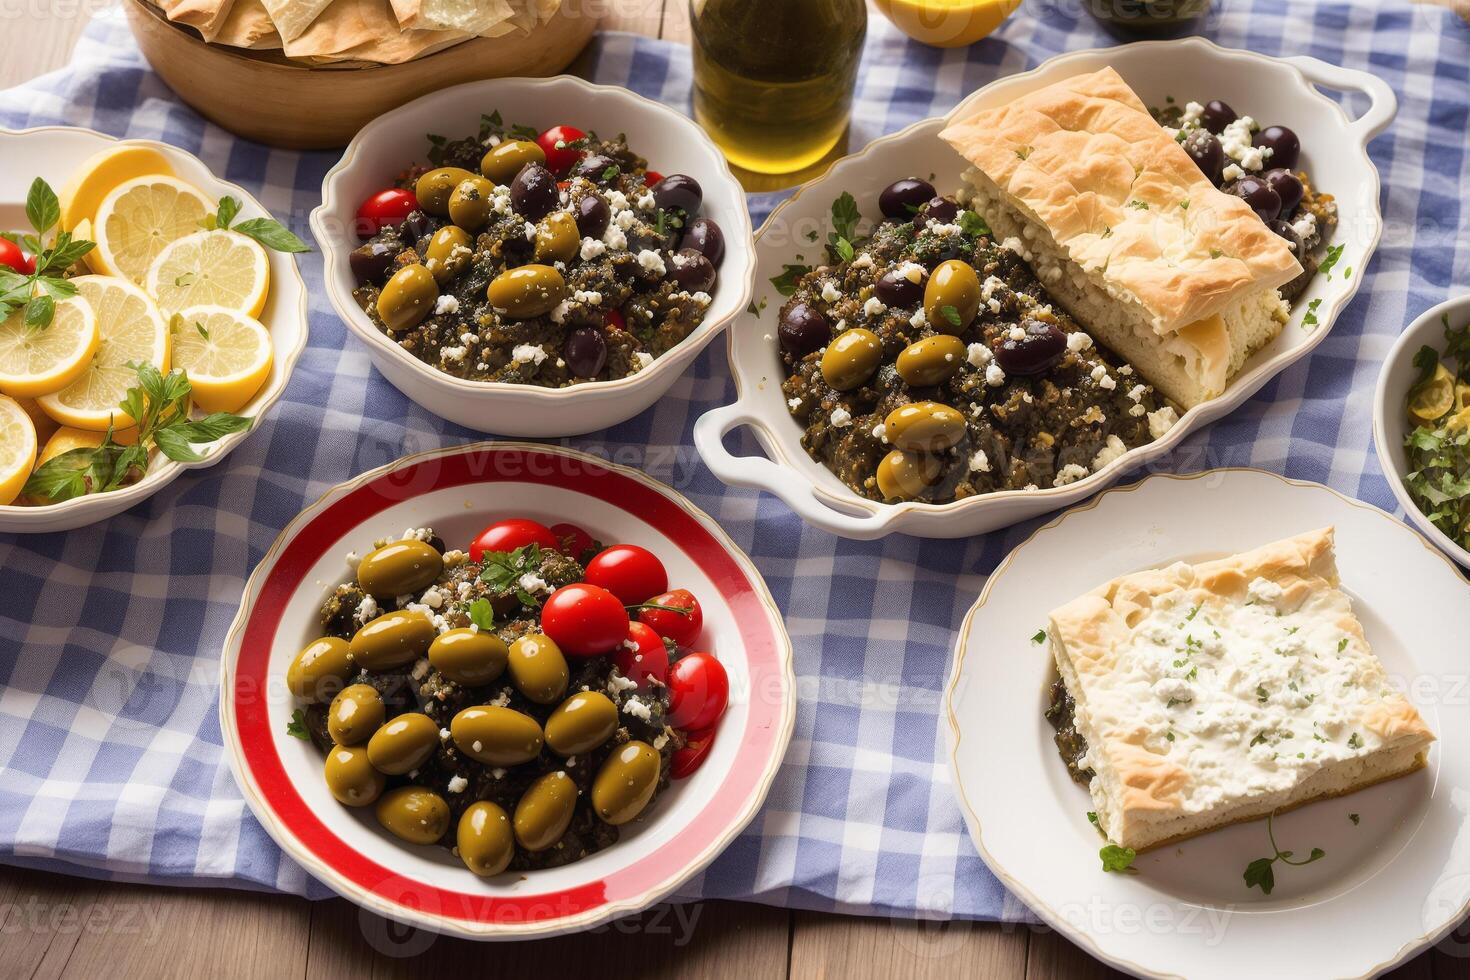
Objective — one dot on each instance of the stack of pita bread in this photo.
(380, 31)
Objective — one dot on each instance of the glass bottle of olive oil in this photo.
(773, 79)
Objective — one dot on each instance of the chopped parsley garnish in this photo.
(1023, 152)
(1334, 252)
(1215, 253)
(752, 309)
(1192, 613)
(845, 218)
(1118, 860)
(1258, 874)
(1354, 818)
(502, 571)
(1438, 451)
(1039, 636)
(1138, 205)
(1342, 644)
(482, 614)
(1355, 741)
(1262, 695)
(790, 275)
(951, 314)
(1184, 205)
(1092, 819)
(1309, 319)
(972, 224)
(611, 171)
(296, 727)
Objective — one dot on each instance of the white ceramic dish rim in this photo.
(164, 471)
(1056, 920)
(780, 477)
(471, 929)
(1399, 361)
(737, 242)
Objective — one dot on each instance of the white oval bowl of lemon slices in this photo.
(187, 278)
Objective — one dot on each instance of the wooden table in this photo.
(57, 926)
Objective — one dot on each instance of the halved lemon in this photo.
(138, 218)
(211, 268)
(45, 424)
(39, 360)
(17, 449)
(132, 331)
(83, 232)
(100, 174)
(227, 356)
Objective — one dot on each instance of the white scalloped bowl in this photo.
(54, 152)
(1334, 150)
(670, 141)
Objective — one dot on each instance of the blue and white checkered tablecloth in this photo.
(109, 635)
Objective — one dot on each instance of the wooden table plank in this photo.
(845, 948)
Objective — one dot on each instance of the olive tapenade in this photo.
(548, 259)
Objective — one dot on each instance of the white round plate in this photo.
(1390, 884)
(457, 492)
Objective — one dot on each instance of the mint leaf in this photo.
(43, 210)
(1258, 874)
(1039, 636)
(790, 275)
(1334, 252)
(972, 224)
(296, 727)
(845, 216)
(482, 614)
(1117, 859)
(39, 310)
(272, 234)
(228, 209)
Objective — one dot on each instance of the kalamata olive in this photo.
(1285, 148)
(703, 235)
(593, 214)
(1287, 186)
(533, 192)
(1287, 232)
(371, 262)
(598, 168)
(417, 225)
(1041, 347)
(1254, 191)
(1217, 115)
(692, 271)
(802, 330)
(678, 191)
(585, 352)
(1207, 153)
(939, 211)
(902, 199)
(902, 286)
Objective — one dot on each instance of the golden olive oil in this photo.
(773, 79)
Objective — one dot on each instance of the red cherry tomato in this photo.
(614, 319)
(699, 689)
(651, 177)
(508, 535)
(553, 142)
(585, 620)
(629, 572)
(642, 655)
(696, 749)
(385, 209)
(682, 628)
(12, 256)
(573, 540)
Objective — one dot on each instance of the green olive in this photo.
(505, 160)
(527, 291)
(496, 736)
(403, 744)
(538, 668)
(581, 723)
(434, 188)
(557, 238)
(625, 783)
(931, 361)
(902, 474)
(414, 814)
(399, 568)
(545, 811)
(449, 254)
(485, 840)
(393, 640)
(469, 203)
(351, 777)
(408, 297)
(851, 358)
(952, 296)
(355, 714)
(924, 427)
(320, 670)
(469, 657)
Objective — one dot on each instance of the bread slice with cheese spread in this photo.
(1126, 232)
(1223, 691)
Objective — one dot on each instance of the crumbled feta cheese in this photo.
(457, 784)
(1070, 473)
(863, 261)
(874, 306)
(530, 230)
(527, 354)
(645, 202)
(841, 417)
(1264, 590)
(643, 358)
(1305, 225)
(1192, 113)
(830, 292)
(1232, 171)
(367, 609)
(433, 598)
(587, 297)
(616, 201)
(443, 734)
(1103, 379)
(1016, 333)
(625, 219)
(637, 709)
(1136, 392)
(794, 402)
(978, 354)
(592, 248)
(613, 237)
(994, 376)
(353, 559)
(880, 432)
(1078, 341)
(445, 304)
(980, 463)
(617, 683)
(1110, 451)
(919, 319)
(452, 353)
(420, 668)
(533, 583)
(947, 231)
(652, 261)
(1161, 421)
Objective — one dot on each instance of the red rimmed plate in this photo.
(457, 492)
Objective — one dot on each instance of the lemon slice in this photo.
(45, 424)
(17, 449)
(1432, 400)
(138, 218)
(83, 232)
(132, 331)
(227, 356)
(39, 360)
(99, 175)
(211, 268)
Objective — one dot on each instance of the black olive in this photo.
(1287, 186)
(678, 191)
(1043, 345)
(1258, 194)
(1286, 231)
(585, 352)
(1285, 148)
(692, 271)
(417, 225)
(371, 262)
(599, 169)
(1207, 153)
(1217, 116)
(704, 236)
(896, 289)
(802, 330)
(902, 199)
(938, 210)
(534, 193)
(593, 214)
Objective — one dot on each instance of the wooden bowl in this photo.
(297, 107)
